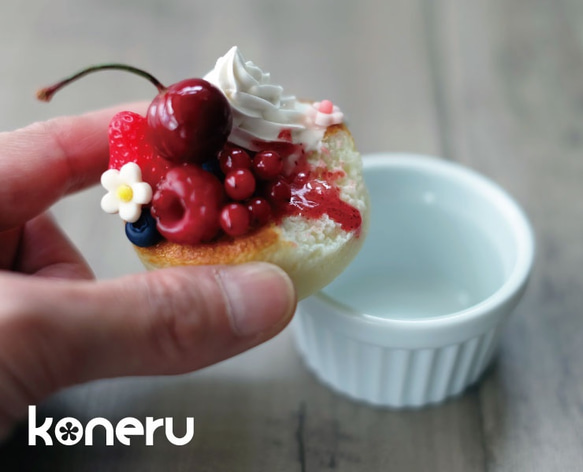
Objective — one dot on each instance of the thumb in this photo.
(55, 333)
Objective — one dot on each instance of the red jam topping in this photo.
(289, 186)
(285, 135)
(314, 193)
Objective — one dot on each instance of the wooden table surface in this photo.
(494, 84)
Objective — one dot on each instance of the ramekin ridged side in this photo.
(387, 376)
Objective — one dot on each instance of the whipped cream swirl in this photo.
(261, 112)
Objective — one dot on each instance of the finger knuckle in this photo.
(49, 130)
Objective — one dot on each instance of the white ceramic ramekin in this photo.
(416, 317)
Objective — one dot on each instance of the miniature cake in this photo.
(227, 169)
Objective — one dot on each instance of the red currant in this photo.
(232, 158)
(239, 184)
(187, 204)
(267, 165)
(301, 178)
(260, 211)
(278, 191)
(235, 219)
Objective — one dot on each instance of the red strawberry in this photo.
(128, 143)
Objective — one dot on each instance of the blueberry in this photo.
(213, 167)
(143, 233)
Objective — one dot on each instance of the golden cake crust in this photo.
(249, 247)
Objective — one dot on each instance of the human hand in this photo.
(59, 327)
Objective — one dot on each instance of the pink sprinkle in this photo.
(326, 106)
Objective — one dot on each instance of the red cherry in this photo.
(278, 191)
(187, 205)
(267, 165)
(233, 158)
(235, 219)
(260, 211)
(127, 143)
(239, 184)
(189, 121)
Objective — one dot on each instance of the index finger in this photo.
(45, 161)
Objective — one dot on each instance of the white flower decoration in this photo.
(126, 193)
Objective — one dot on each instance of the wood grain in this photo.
(511, 78)
(495, 85)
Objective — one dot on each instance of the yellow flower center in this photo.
(125, 193)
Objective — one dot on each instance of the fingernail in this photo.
(260, 296)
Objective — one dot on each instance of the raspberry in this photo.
(187, 205)
(128, 143)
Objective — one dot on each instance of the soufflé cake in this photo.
(227, 169)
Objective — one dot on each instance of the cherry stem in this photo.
(45, 94)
